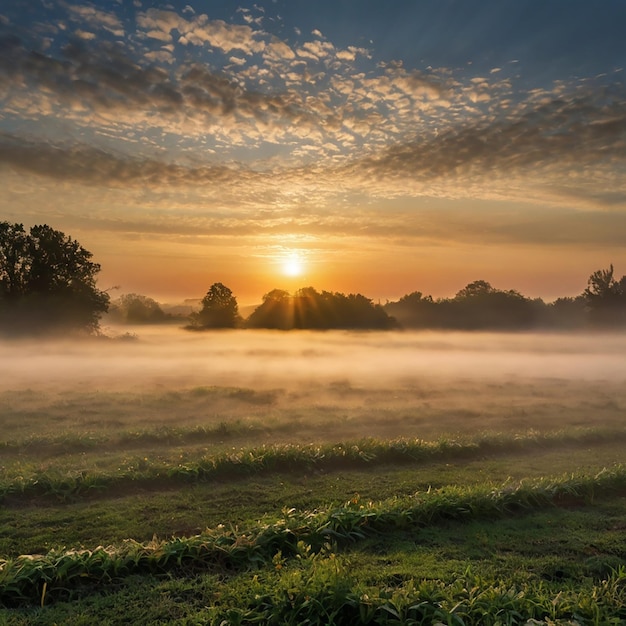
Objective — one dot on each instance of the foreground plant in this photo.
(36, 579)
(67, 486)
(321, 591)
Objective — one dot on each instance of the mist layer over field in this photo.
(318, 385)
(166, 356)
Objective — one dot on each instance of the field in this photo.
(313, 478)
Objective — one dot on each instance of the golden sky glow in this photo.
(354, 148)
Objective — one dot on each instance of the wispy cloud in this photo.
(581, 135)
(97, 18)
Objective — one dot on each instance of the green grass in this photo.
(25, 579)
(37, 524)
(21, 480)
(241, 518)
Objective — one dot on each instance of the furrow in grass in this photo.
(71, 443)
(70, 486)
(25, 579)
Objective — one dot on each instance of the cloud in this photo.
(88, 165)
(277, 50)
(313, 118)
(98, 19)
(248, 18)
(192, 202)
(311, 94)
(417, 84)
(351, 52)
(85, 35)
(316, 50)
(567, 136)
(160, 35)
(541, 139)
(106, 82)
(199, 30)
(160, 56)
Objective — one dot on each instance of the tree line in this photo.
(478, 306)
(48, 285)
(306, 308)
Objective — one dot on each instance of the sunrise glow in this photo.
(293, 266)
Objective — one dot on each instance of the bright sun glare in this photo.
(292, 266)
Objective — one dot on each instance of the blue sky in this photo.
(391, 146)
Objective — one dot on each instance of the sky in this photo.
(370, 146)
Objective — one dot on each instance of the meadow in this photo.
(245, 477)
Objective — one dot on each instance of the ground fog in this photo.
(315, 386)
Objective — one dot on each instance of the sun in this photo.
(293, 266)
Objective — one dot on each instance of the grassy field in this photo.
(486, 496)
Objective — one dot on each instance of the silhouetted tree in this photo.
(14, 261)
(565, 313)
(606, 298)
(47, 282)
(414, 311)
(477, 306)
(276, 311)
(476, 289)
(133, 308)
(308, 308)
(219, 309)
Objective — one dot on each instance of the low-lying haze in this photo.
(307, 386)
(177, 358)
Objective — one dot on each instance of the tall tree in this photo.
(606, 297)
(219, 309)
(47, 282)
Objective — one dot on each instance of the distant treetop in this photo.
(133, 308)
(219, 309)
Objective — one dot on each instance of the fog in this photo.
(169, 356)
(313, 386)
(174, 357)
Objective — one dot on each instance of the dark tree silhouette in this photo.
(219, 309)
(133, 308)
(565, 312)
(276, 311)
(476, 289)
(308, 308)
(606, 298)
(414, 311)
(47, 282)
(14, 261)
(477, 306)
